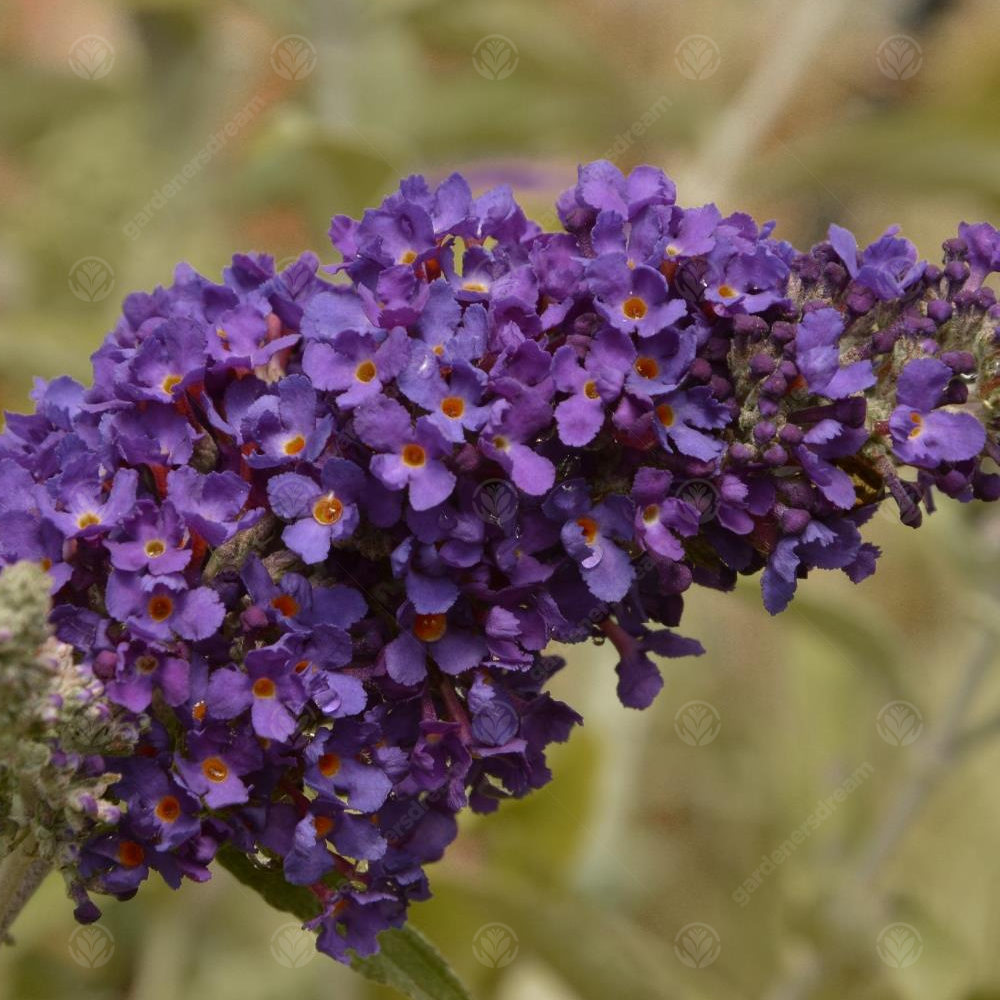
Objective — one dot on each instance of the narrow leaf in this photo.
(407, 961)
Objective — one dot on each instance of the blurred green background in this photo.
(808, 111)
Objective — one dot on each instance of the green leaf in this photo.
(409, 963)
(406, 961)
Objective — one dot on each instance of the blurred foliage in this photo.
(639, 834)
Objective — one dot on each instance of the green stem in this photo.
(21, 873)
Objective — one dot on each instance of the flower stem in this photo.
(21, 873)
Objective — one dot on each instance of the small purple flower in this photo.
(153, 539)
(355, 366)
(164, 609)
(888, 267)
(141, 668)
(983, 254)
(453, 648)
(595, 384)
(336, 765)
(681, 419)
(452, 403)
(590, 539)
(285, 427)
(78, 506)
(817, 356)
(406, 457)
(269, 687)
(633, 300)
(213, 768)
(505, 440)
(322, 514)
(213, 505)
(925, 432)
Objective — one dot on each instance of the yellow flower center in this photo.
(453, 406)
(430, 628)
(647, 367)
(264, 687)
(294, 445)
(160, 608)
(328, 510)
(215, 769)
(634, 307)
(414, 456)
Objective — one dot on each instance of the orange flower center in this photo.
(87, 519)
(634, 307)
(215, 769)
(651, 513)
(408, 257)
(286, 604)
(727, 292)
(130, 854)
(365, 372)
(430, 628)
(918, 424)
(665, 414)
(155, 548)
(590, 390)
(198, 711)
(169, 382)
(501, 443)
(328, 764)
(168, 809)
(453, 406)
(414, 456)
(323, 825)
(589, 526)
(294, 445)
(302, 666)
(474, 286)
(45, 563)
(647, 367)
(264, 687)
(160, 608)
(328, 509)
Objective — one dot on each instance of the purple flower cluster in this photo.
(317, 534)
